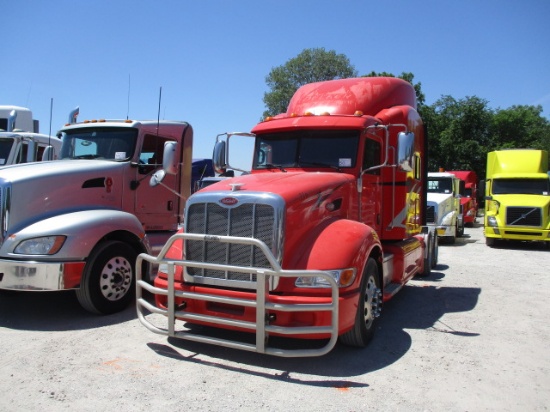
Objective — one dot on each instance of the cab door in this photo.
(371, 191)
(156, 207)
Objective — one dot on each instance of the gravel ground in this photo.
(471, 337)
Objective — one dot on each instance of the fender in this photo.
(449, 219)
(83, 230)
(341, 244)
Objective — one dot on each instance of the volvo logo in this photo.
(229, 201)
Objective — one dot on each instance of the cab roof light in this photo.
(358, 113)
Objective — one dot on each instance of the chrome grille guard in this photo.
(262, 303)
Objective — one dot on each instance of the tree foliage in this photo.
(311, 65)
(458, 133)
(521, 127)
(462, 132)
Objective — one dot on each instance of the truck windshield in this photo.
(440, 185)
(111, 143)
(521, 186)
(5, 148)
(307, 149)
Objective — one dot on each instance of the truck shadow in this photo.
(417, 306)
(464, 240)
(52, 311)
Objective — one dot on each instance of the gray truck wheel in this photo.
(435, 252)
(108, 281)
(430, 260)
(368, 308)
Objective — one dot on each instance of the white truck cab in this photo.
(444, 211)
(20, 141)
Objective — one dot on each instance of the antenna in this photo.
(128, 104)
(51, 112)
(158, 114)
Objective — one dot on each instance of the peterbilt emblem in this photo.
(229, 201)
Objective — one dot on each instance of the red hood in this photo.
(289, 185)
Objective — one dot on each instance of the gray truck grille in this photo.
(247, 220)
(524, 216)
(430, 214)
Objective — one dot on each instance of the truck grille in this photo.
(524, 216)
(246, 220)
(430, 214)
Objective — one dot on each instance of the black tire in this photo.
(490, 241)
(460, 230)
(368, 308)
(108, 281)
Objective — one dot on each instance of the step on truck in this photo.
(444, 210)
(469, 195)
(517, 196)
(80, 222)
(20, 141)
(325, 228)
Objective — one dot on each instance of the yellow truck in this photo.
(517, 202)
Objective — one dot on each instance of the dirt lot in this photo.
(473, 336)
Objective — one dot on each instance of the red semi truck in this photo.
(326, 227)
(468, 201)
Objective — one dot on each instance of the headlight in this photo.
(343, 277)
(48, 245)
(492, 221)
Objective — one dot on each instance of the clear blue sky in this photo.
(211, 57)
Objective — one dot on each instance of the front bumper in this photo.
(441, 230)
(515, 233)
(257, 312)
(31, 275)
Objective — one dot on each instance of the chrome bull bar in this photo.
(262, 303)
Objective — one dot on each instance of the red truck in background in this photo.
(469, 198)
(327, 226)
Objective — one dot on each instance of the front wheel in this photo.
(107, 284)
(368, 308)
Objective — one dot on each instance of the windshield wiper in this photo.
(319, 164)
(86, 156)
(272, 166)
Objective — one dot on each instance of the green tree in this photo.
(520, 127)
(311, 65)
(459, 134)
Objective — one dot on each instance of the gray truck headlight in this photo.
(47, 245)
(343, 277)
(492, 221)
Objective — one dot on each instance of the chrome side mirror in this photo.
(405, 151)
(219, 157)
(170, 158)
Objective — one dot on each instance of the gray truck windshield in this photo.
(521, 186)
(5, 148)
(442, 185)
(109, 143)
(307, 149)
